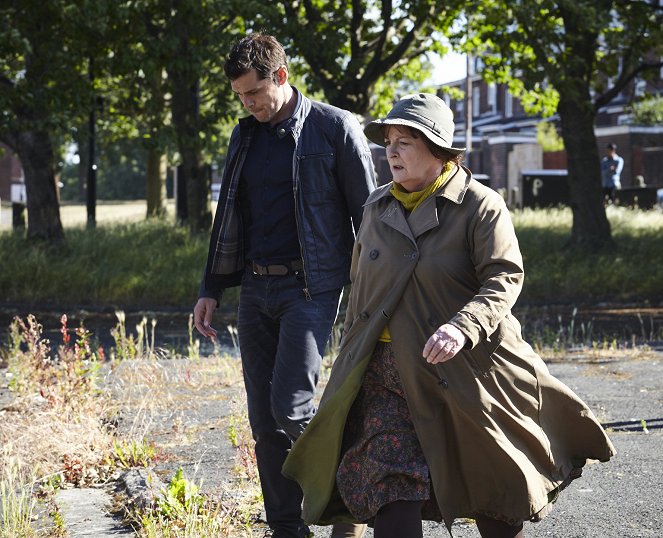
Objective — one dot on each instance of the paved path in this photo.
(618, 499)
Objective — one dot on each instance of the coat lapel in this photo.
(424, 218)
(394, 216)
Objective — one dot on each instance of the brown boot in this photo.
(348, 530)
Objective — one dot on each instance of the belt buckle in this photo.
(258, 269)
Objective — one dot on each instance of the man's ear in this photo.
(281, 75)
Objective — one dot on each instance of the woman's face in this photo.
(412, 164)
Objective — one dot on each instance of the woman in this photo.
(436, 407)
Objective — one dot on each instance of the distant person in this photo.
(436, 407)
(296, 177)
(611, 170)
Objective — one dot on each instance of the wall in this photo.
(10, 171)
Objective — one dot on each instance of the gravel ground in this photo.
(618, 499)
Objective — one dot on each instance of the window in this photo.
(492, 97)
(476, 101)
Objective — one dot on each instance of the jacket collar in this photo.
(425, 218)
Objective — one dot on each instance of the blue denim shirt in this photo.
(333, 174)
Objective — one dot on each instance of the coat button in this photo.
(363, 316)
(443, 383)
(374, 254)
(433, 322)
(413, 256)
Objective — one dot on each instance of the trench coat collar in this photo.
(425, 218)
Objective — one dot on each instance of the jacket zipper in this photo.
(295, 187)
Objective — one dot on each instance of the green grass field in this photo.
(130, 262)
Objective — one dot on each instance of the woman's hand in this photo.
(444, 344)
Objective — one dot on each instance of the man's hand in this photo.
(202, 316)
(444, 344)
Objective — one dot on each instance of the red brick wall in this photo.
(554, 160)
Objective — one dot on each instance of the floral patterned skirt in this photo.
(382, 459)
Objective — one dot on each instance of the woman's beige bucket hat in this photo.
(423, 111)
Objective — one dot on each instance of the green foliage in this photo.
(128, 347)
(151, 262)
(408, 78)
(622, 274)
(548, 137)
(180, 497)
(361, 53)
(17, 505)
(63, 378)
(133, 453)
(648, 111)
(121, 172)
(550, 47)
(156, 264)
(43, 56)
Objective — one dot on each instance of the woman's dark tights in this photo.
(399, 519)
(494, 528)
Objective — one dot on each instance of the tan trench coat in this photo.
(498, 431)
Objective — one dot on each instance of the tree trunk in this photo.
(186, 121)
(156, 183)
(35, 150)
(591, 228)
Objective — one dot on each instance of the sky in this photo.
(452, 66)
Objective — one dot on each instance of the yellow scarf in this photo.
(411, 201)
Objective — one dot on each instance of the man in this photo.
(611, 169)
(296, 177)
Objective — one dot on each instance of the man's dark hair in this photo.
(261, 52)
(612, 146)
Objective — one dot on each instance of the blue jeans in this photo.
(282, 339)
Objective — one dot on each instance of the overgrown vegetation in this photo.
(67, 404)
(145, 263)
(154, 263)
(631, 272)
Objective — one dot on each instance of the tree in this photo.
(30, 103)
(135, 90)
(352, 48)
(572, 56)
(649, 111)
(45, 51)
(197, 34)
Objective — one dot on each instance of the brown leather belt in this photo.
(279, 269)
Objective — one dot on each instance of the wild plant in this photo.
(132, 453)
(129, 347)
(180, 511)
(17, 504)
(194, 343)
